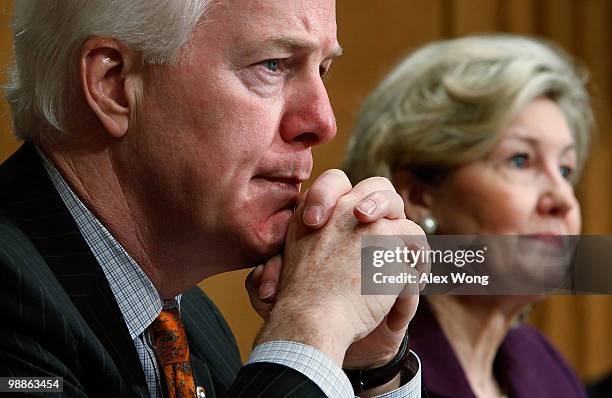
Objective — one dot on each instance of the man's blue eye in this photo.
(565, 171)
(272, 64)
(519, 160)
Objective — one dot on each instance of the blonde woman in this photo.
(481, 135)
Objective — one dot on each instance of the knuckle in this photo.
(395, 203)
(327, 187)
(397, 198)
(382, 182)
(338, 175)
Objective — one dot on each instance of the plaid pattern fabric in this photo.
(309, 361)
(140, 304)
(323, 371)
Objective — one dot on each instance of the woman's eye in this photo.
(272, 64)
(519, 160)
(566, 171)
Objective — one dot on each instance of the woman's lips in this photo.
(553, 240)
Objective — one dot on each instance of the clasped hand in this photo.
(312, 292)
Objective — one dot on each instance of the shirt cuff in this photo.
(324, 372)
(412, 378)
(309, 361)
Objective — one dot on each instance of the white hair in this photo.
(48, 36)
(447, 103)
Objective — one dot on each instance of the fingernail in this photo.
(367, 207)
(313, 215)
(266, 290)
(258, 270)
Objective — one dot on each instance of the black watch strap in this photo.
(365, 379)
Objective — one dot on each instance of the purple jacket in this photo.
(526, 364)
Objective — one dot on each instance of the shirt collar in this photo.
(136, 296)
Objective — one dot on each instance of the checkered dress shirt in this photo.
(140, 303)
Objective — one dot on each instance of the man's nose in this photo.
(308, 117)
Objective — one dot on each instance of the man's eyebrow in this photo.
(297, 44)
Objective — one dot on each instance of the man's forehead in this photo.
(297, 22)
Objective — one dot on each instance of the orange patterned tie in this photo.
(170, 339)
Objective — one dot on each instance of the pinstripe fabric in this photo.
(59, 282)
(31, 278)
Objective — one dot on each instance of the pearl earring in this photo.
(429, 224)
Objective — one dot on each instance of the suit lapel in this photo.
(201, 374)
(214, 356)
(30, 201)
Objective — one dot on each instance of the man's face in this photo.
(224, 139)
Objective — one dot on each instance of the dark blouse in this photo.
(526, 364)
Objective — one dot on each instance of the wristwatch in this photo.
(365, 379)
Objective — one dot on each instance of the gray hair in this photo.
(447, 103)
(48, 36)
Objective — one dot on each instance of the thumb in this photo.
(402, 312)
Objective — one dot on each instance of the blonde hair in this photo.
(447, 103)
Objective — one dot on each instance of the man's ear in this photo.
(417, 195)
(105, 65)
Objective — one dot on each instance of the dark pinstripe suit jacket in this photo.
(58, 316)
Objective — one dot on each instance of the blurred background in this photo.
(377, 34)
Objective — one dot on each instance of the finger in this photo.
(405, 305)
(424, 265)
(372, 184)
(322, 196)
(380, 204)
(252, 286)
(268, 284)
(251, 282)
(403, 311)
(415, 240)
